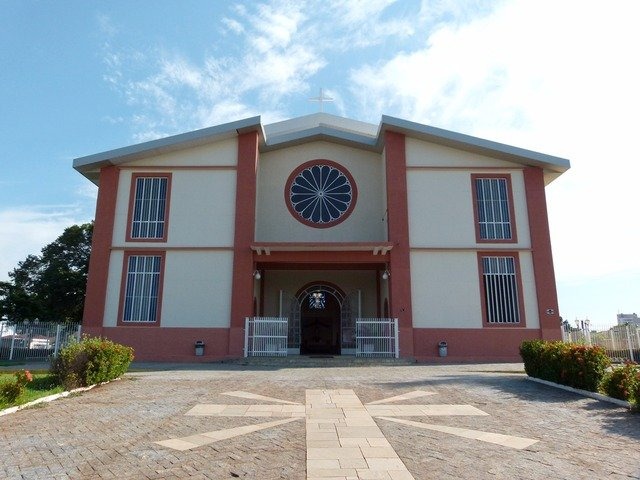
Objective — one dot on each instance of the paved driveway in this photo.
(396, 422)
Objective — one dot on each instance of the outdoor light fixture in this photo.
(316, 300)
(385, 274)
(257, 275)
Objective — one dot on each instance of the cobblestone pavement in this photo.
(112, 431)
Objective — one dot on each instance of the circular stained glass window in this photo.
(320, 193)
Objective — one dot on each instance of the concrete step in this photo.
(311, 361)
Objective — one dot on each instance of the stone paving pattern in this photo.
(111, 431)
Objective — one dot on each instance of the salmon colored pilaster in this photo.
(398, 225)
(95, 297)
(542, 256)
(242, 293)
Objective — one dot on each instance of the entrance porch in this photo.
(268, 337)
(321, 305)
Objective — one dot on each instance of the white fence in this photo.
(377, 337)
(621, 342)
(39, 341)
(266, 336)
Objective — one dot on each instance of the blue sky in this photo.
(81, 77)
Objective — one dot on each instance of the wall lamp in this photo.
(257, 275)
(386, 274)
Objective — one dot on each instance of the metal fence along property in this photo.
(621, 342)
(35, 340)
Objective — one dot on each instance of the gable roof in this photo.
(321, 127)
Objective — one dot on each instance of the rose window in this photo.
(321, 193)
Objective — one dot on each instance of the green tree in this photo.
(51, 286)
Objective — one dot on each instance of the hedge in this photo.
(571, 364)
(623, 383)
(91, 361)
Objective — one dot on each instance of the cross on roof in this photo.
(321, 98)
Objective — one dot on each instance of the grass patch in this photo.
(43, 384)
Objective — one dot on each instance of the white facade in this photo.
(365, 224)
(406, 243)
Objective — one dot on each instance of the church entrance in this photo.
(320, 324)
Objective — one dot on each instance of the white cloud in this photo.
(26, 230)
(87, 190)
(275, 25)
(281, 73)
(279, 46)
(233, 25)
(230, 109)
(176, 94)
(113, 120)
(106, 25)
(362, 23)
(181, 73)
(556, 77)
(554, 83)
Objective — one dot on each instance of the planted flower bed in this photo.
(92, 361)
(582, 367)
(17, 389)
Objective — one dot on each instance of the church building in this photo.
(322, 223)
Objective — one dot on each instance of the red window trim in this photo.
(123, 284)
(485, 321)
(476, 216)
(132, 196)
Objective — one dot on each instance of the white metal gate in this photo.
(266, 336)
(377, 337)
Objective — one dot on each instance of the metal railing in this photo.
(35, 340)
(377, 337)
(621, 342)
(266, 336)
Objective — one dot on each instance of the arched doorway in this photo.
(320, 327)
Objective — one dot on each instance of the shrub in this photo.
(635, 389)
(570, 364)
(10, 391)
(531, 353)
(622, 382)
(554, 355)
(91, 361)
(585, 367)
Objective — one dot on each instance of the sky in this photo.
(558, 77)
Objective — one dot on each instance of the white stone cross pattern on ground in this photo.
(343, 440)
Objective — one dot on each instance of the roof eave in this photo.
(91, 164)
(321, 133)
(472, 144)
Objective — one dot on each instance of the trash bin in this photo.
(442, 349)
(199, 348)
